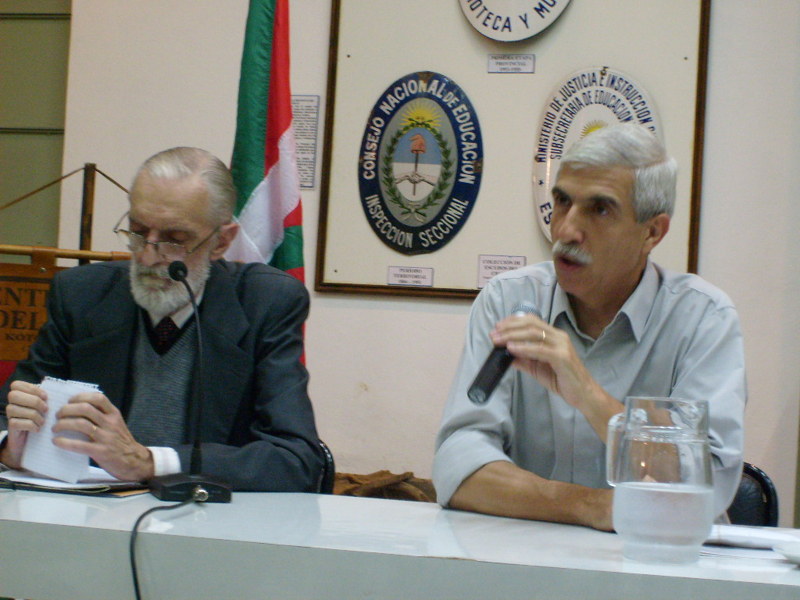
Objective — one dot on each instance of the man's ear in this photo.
(227, 233)
(657, 228)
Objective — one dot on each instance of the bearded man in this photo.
(130, 329)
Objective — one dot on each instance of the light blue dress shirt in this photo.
(675, 336)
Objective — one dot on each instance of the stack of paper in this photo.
(41, 455)
(743, 536)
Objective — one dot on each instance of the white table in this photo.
(308, 546)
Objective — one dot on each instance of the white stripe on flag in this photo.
(261, 218)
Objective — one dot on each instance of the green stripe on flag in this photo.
(289, 255)
(247, 164)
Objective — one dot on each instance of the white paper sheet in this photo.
(41, 455)
(743, 536)
(96, 479)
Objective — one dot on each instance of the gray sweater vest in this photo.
(159, 409)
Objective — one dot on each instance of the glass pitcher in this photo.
(658, 460)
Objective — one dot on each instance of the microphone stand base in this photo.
(180, 487)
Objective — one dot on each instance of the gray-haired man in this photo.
(104, 327)
(614, 324)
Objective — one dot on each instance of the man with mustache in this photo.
(104, 327)
(614, 324)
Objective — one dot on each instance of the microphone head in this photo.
(177, 270)
(525, 308)
(497, 363)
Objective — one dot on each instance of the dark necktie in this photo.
(164, 334)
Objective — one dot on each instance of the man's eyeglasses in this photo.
(169, 251)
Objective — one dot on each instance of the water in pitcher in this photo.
(663, 522)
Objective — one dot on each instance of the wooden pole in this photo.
(81, 255)
(87, 210)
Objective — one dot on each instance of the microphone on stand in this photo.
(497, 362)
(180, 487)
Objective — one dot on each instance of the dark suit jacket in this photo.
(258, 429)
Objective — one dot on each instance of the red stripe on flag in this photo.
(279, 108)
(298, 273)
(294, 218)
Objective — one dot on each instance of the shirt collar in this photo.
(561, 306)
(180, 316)
(636, 308)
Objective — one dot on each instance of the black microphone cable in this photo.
(178, 272)
(181, 486)
(135, 533)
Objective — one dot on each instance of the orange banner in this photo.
(23, 297)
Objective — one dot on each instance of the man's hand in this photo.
(27, 404)
(110, 443)
(548, 355)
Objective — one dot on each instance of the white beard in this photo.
(155, 291)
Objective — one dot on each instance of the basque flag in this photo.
(264, 165)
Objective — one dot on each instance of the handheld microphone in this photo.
(497, 363)
(180, 487)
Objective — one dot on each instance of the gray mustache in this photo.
(160, 271)
(572, 252)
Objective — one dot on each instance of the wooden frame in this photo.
(374, 44)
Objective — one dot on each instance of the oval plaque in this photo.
(420, 163)
(512, 20)
(586, 100)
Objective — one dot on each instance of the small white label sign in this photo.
(512, 63)
(305, 112)
(411, 276)
(490, 265)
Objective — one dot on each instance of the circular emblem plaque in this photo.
(420, 163)
(586, 100)
(512, 20)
